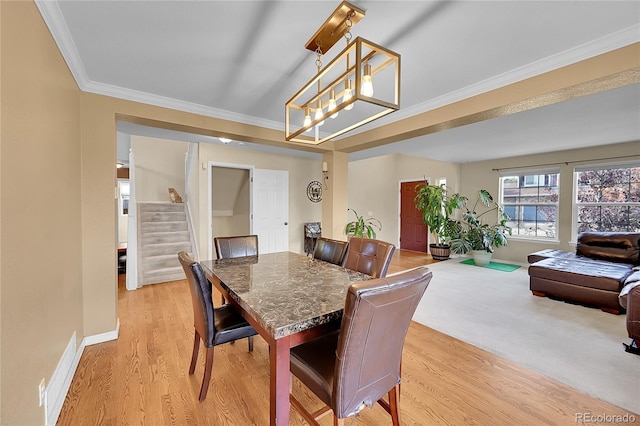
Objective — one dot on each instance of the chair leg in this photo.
(194, 356)
(207, 374)
(250, 340)
(394, 402)
(337, 421)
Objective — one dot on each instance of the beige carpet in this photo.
(495, 311)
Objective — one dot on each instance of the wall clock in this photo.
(314, 191)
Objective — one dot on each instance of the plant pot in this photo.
(481, 257)
(439, 252)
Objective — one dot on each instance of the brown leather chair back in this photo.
(200, 288)
(237, 246)
(622, 247)
(375, 322)
(332, 251)
(371, 257)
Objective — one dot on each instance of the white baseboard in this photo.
(102, 337)
(56, 390)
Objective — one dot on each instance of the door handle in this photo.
(286, 223)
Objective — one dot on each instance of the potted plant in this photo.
(437, 210)
(362, 227)
(478, 237)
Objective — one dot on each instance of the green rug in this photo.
(494, 265)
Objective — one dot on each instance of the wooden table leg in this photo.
(279, 387)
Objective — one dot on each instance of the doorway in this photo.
(244, 200)
(413, 231)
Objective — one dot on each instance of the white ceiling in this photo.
(242, 60)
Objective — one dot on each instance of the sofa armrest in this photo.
(633, 311)
(631, 287)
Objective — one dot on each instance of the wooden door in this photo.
(413, 231)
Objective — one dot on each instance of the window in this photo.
(531, 201)
(607, 198)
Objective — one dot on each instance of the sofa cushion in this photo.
(620, 247)
(547, 253)
(586, 273)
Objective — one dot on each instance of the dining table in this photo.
(289, 298)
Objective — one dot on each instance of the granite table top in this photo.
(285, 292)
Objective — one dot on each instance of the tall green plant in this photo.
(438, 209)
(474, 233)
(362, 227)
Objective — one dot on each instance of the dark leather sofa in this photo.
(630, 299)
(603, 264)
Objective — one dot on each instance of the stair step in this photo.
(163, 226)
(163, 275)
(170, 216)
(165, 248)
(160, 207)
(164, 237)
(153, 263)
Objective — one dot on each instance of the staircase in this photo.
(162, 233)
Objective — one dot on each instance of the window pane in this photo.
(536, 221)
(614, 185)
(526, 200)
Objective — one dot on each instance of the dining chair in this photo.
(214, 326)
(359, 364)
(371, 257)
(332, 251)
(235, 246)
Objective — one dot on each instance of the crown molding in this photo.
(58, 28)
(608, 43)
(165, 102)
(54, 19)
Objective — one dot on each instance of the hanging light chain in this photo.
(348, 23)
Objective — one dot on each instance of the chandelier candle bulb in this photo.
(348, 94)
(319, 113)
(307, 119)
(367, 84)
(332, 104)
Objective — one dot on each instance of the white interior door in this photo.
(270, 191)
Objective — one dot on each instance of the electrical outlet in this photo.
(41, 391)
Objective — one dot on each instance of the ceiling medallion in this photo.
(344, 85)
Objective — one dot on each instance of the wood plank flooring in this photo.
(142, 378)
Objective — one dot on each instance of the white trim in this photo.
(595, 165)
(60, 381)
(210, 166)
(68, 369)
(170, 103)
(608, 43)
(102, 337)
(133, 260)
(52, 16)
(54, 19)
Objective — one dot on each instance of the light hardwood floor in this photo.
(142, 378)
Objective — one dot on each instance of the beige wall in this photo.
(374, 186)
(479, 175)
(41, 281)
(160, 164)
(301, 170)
(66, 224)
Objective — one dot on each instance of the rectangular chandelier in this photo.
(361, 84)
